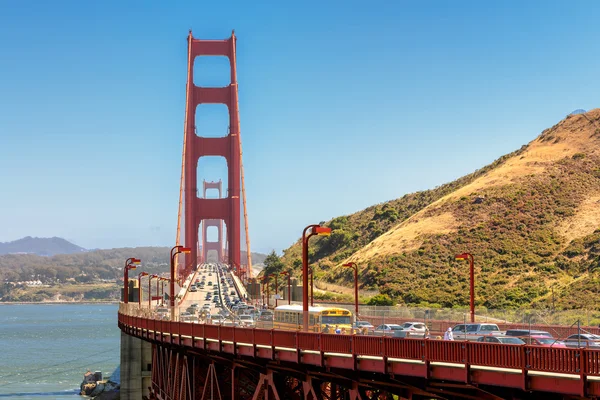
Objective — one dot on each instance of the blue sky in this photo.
(343, 104)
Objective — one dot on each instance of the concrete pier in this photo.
(136, 367)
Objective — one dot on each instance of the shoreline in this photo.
(12, 303)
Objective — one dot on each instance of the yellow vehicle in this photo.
(321, 319)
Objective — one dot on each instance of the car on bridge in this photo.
(362, 325)
(544, 341)
(414, 328)
(388, 329)
(500, 339)
(475, 331)
(527, 332)
(583, 340)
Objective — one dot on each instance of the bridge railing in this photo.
(518, 357)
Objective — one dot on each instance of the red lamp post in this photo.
(469, 256)
(355, 268)
(130, 263)
(289, 286)
(140, 286)
(150, 289)
(268, 292)
(310, 272)
(174, 251)
(314, 230)
(276, 291)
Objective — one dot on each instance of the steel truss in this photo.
(178, 374)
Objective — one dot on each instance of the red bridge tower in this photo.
(202, 209)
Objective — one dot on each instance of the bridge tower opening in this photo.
(224, 210)
(207, 223)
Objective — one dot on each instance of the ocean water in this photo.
(46, 349)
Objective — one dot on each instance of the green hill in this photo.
(530, 219)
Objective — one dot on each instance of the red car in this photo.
(543, 341)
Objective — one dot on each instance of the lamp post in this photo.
(262, 291)
(314, 230)
(140, 286)
(469, 256)
(289, 286)
(174, 251)
(130, 263)
(310, 272)
(150, 289)
(276, 289)
(355, 268)
(268, 293)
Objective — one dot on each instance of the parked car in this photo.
(526, 332)
(246, 320)
(544, 341)
(500, 339)
(474, 331)
(583, 340)
(387, 329)
(363, 324)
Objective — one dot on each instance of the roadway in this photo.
(210, 274)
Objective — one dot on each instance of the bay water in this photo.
(46, 348)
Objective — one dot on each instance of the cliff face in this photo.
(529, 219)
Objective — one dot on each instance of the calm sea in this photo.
(46, 349)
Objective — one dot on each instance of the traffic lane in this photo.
(199, 296)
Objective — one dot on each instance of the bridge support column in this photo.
(136, 366)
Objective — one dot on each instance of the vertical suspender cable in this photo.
(248, 252)
(181, 182)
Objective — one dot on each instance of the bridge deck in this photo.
(530, 368)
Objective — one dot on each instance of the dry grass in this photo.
(407, 235)
(330, 287)
(563, 140)
(584, 222)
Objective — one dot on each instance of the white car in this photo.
(387, 329)
(246, 320)
(414, 327)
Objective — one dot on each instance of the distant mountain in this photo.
(40, 246)
(578, 111)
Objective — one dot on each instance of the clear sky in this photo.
(343, 104)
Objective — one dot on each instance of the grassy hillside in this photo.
(529, 218)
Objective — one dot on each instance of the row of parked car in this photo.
(487, 333)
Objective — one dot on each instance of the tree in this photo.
(273, 263)
(381, 300)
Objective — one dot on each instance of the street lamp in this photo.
(314, 230)
(310, 272)
(289, 286)
(140, 286)
(174, 251)
(268, 291)
(130, 263)
(355, 268)
(150, 289)
(469, 256)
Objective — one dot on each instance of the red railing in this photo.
(546, 359)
